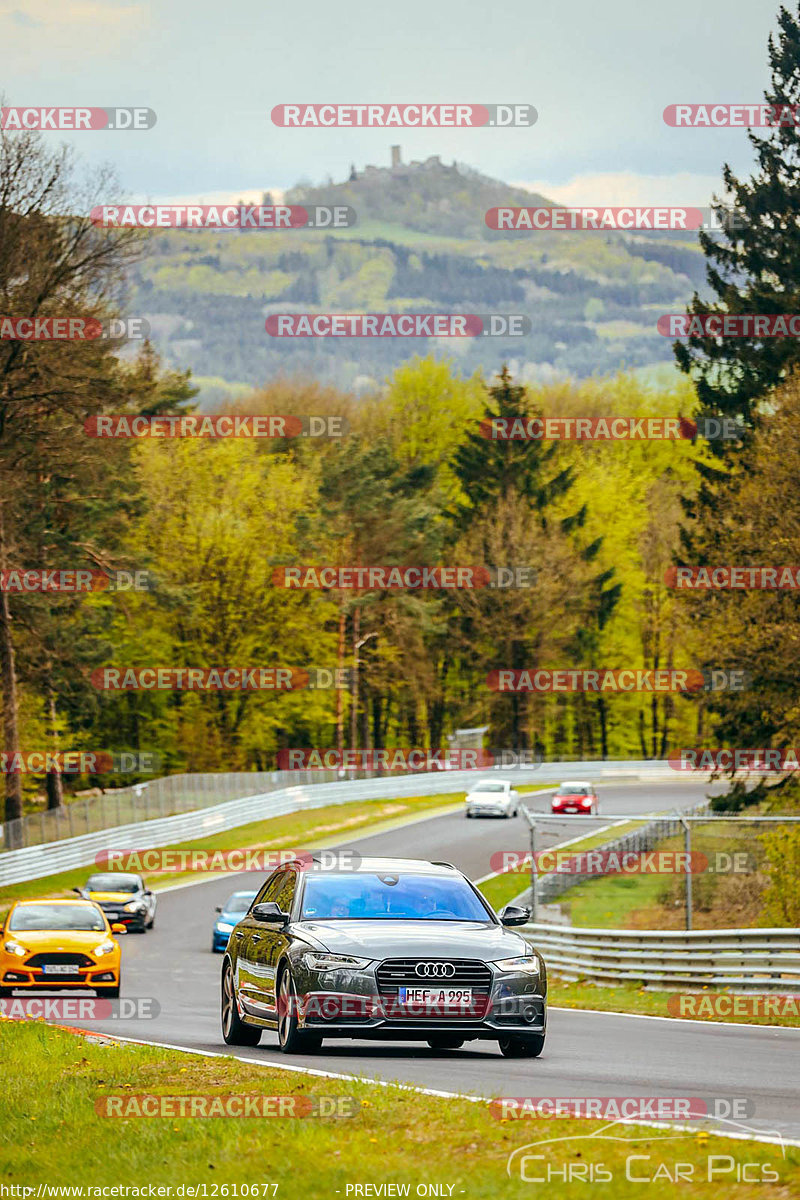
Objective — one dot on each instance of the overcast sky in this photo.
(599, 74)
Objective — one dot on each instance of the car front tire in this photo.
(445, 1043)
(234, 1031)
(291, 1039)
(522, 1047)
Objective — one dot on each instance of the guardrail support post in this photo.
(687, 841)
(534, 874)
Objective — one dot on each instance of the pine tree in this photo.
(754, 267)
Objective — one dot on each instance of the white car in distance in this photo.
(492, 798)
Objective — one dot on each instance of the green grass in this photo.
(632, 998)
(608, 902)
(53, 1135)
(302, 830)
(502, 888)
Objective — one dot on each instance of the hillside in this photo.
(420, 245)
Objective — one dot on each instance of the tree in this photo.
(754, 264)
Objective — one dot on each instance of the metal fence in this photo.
(638, 841)
(145, 801)
(743, 959)
(193, 792)
(34, 861)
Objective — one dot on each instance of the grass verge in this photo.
(502, 888)
(53, 1135)
(306, 829)
(302, 830)
(632, 998)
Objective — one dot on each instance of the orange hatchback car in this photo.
(50, 945)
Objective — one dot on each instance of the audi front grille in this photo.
(394, 973)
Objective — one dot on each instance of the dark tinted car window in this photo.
(389, 897)
(113, 883)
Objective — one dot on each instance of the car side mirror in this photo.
(118, 927)
(77, 891)
(147, 892)
(218, 908)
(270, 913)
(512, 914)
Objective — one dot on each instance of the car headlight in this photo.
(223, 927)
(529, 965)
(15, 948)
(135, 906)
(331, 962)
(104, 948)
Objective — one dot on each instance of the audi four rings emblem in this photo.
(440, 970)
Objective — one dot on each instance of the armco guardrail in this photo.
(32, 862)
(741, 959)
(145, 801)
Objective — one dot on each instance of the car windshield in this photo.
(489, 787)
(389, 897)
(112, 883)
(32, 917)
(239, 902)
(566, 790)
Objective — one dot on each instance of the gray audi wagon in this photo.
(384, 949)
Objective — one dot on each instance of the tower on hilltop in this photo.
(396, 159)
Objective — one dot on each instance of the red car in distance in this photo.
(577, 797)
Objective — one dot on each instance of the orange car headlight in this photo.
(104, 948)
(15, 948)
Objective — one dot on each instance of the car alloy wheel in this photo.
(292, 1040)
(234, 1031)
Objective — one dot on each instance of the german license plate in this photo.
(59, 969)
(446, 996)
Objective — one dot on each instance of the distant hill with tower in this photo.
(428, 195)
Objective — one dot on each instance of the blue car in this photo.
(228, 915)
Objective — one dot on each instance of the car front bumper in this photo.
(350, 1004)
(33, 979)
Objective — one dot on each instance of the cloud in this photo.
(629, 188)
(24, 19)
